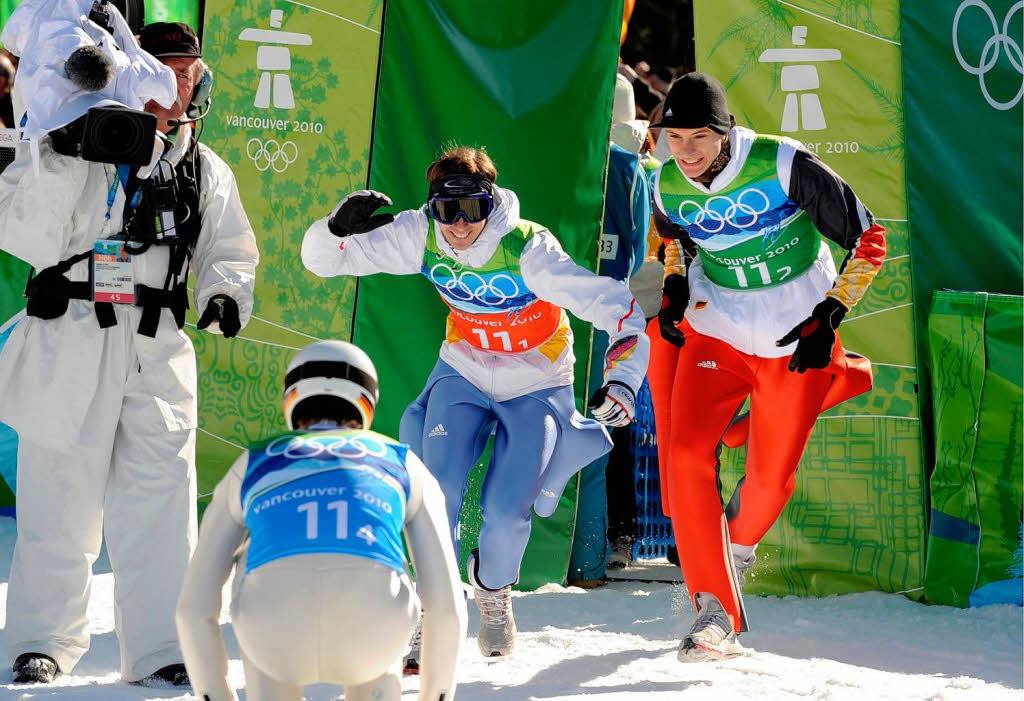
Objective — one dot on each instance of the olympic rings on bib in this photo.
(468, 285)
(738, 209)
(351, 447)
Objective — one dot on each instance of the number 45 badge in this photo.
(113, 279)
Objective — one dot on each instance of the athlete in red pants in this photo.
(747, 267)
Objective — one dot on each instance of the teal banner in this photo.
(964, 95)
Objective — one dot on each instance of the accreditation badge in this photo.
(113, 279)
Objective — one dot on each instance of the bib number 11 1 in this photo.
(503, 336)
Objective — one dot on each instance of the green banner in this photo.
(186, 11)
(965, 108)
(451, 72)
(976, 500)
(827, 73)
(292, 107)
(156, 11)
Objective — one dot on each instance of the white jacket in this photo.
(397, 248)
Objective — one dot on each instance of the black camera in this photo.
(133, 11)
(110, 134)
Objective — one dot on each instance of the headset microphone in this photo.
(200, 101)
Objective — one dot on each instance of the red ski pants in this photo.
(696, 391)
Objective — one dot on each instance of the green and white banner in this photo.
(294, 90)
(827, 73)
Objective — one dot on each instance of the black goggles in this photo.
(472, 208)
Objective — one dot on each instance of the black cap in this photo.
(170, 40)
(696, 100)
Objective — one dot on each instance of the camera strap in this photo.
(123, 175)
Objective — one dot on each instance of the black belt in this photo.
(48, 293)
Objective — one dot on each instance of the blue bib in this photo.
(336, 491)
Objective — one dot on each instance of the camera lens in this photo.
(120, 132)
(118, 135)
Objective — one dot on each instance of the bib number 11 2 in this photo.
(762, 269)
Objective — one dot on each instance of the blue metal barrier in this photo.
(654, 529)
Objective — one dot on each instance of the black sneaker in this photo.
(173, 674)
(34, 668)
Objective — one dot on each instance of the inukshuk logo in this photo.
(800, 80)
(274, 60)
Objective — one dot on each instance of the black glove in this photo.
(675, 296)
(815, 336)
(47, 294)
(223, 310)
(355, 214)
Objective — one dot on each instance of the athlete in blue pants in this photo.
(506, 362)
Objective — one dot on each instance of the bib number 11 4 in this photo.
(340, 507)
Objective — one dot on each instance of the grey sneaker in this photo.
(742, 566)
(712, 636)
(497, 634)
(411, 661)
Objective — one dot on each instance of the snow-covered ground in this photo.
(619, 642)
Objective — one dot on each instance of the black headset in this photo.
(199, 104)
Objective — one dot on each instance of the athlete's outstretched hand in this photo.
(815, 336)
(355, 213)
(675, 296)
(613, 404)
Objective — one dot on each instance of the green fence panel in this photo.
(977, 361)
(532, 81)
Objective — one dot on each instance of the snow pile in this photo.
(619, 643)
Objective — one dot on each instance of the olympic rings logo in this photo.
(992, 50)
(353, 448)
(752, 208)
(270, 154)
(468, 285)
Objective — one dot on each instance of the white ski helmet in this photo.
(333, 369)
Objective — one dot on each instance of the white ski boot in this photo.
(411, 661)
(496, 635)
(712, 636)
(743, 566)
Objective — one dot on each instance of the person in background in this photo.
(752, 301)
(7, 71)
(99, 380)
(606, 485)
(506, 364)
(312, 522)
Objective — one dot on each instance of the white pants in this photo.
(127, 476)
(312, 619)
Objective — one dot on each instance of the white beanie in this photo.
(627, 131)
